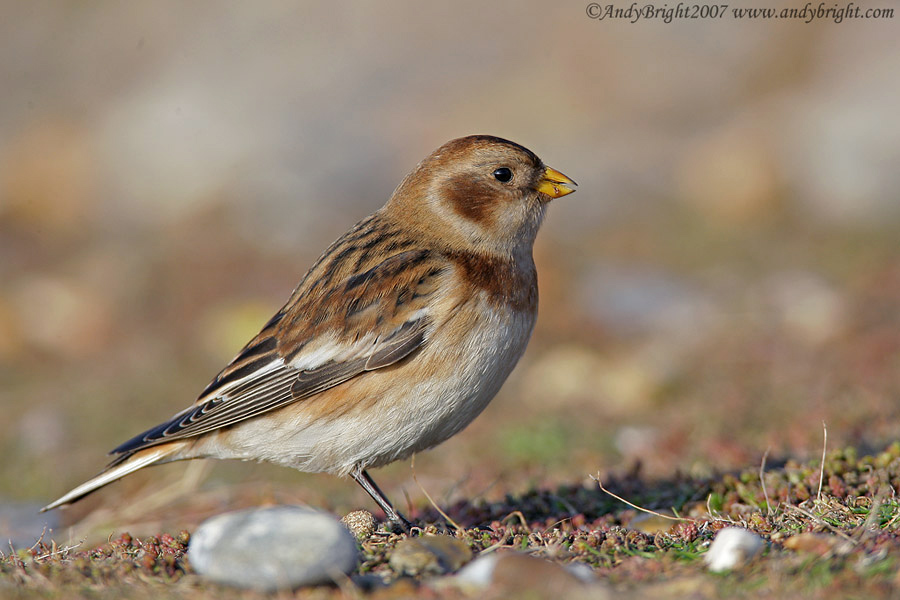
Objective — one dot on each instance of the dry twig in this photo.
(427, 495)
(762, 481)
(822, 466)
(635, 506)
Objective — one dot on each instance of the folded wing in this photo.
(352, 324)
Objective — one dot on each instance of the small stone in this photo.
(512, 571)
(361, 523)
(431, 554)
(521, 571)
(731, 548)
(273, 548)
(479, 572)
(812, 543)
(651, 524)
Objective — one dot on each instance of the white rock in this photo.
(732, 547)
(281, 547)
(479, 572)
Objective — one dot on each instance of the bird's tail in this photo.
(119, 468)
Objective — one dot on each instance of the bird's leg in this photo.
(364, 480)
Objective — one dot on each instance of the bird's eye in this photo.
(503, 174)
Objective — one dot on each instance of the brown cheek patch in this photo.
(471, 200)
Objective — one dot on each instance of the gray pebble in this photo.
(281, 547)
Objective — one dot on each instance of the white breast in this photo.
(486, 356)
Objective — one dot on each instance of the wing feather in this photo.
(314, 344)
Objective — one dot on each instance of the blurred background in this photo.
(726, 278)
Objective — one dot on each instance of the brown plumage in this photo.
(396, 338)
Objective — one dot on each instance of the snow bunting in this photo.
(396, 338)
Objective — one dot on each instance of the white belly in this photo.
(416, 406)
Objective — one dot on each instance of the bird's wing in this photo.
(334, 328)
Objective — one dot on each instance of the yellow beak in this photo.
(555, 184)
